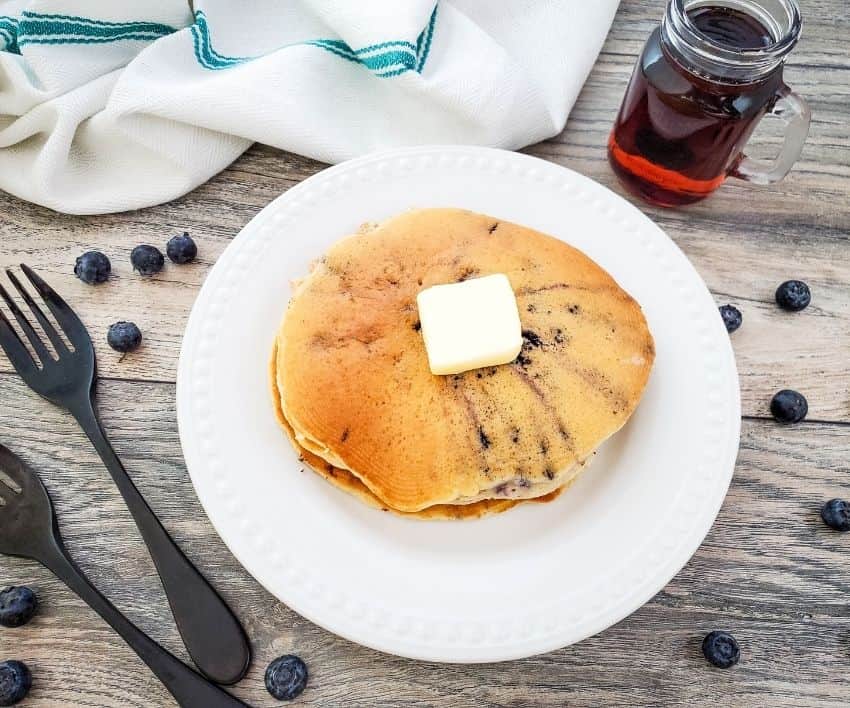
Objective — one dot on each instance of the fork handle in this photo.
(190, 689)
(213, 636)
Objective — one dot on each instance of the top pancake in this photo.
(354, 378)
(345, 480)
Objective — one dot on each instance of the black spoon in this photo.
(28, 528)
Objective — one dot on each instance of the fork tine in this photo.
(46, 324)
(6, 491)
(11, 465)
(15, 349)
(69, 322)
(29, 330)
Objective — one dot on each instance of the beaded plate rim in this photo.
(294, 581)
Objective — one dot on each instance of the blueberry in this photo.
(286, 677)
(721, 649)
(793, 295)
(92, 267)
(789, 406)
(836, 514)
(732, 317)
(17, 606)
(15, 682)
(181, 249)
(124, 337)
(148, 260)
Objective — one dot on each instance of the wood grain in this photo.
(744, 240)
(769, 571)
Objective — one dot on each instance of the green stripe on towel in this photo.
(427, 35)
(376, 62)
(385, 59)
(9, 34)
(208, 57)
(36, 28)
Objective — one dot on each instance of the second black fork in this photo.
(213, 636)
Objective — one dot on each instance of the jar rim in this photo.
(756, 61)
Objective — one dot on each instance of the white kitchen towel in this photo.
(107, 106)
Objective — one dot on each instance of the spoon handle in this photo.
(190, 689)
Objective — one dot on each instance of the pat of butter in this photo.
(470, 324)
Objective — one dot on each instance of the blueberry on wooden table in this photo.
(789, 406)
(92, 267)
(721, 649)
(836, 514)
(181, 249)
(793, 295)
(286, 677)
(15, 682)
(124, 337)
(17, 606)
(148, 260)
(732, 317)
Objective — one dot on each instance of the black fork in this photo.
(28, 528)
(213, 636)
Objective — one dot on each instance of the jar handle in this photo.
(795, 114)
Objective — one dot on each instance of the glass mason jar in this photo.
(705, 79)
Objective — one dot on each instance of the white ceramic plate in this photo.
(528, 581)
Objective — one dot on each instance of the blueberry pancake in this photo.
(357, 394)
(346, 481)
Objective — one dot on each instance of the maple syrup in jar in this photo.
(704, 80)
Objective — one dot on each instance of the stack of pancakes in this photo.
(353, 390)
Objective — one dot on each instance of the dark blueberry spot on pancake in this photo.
(501, 489)
(531, 308)
(573, 309)
(515, 436)
(344, 435)
(544, 447)
(559, 336)
(492, 371)
(466, 273)
(417, 326)
(532, 339)
(493, 227)
(523, 360)
(482, 436)
(524, 483)
(549, 472)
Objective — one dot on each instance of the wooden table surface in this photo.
(769, 570)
